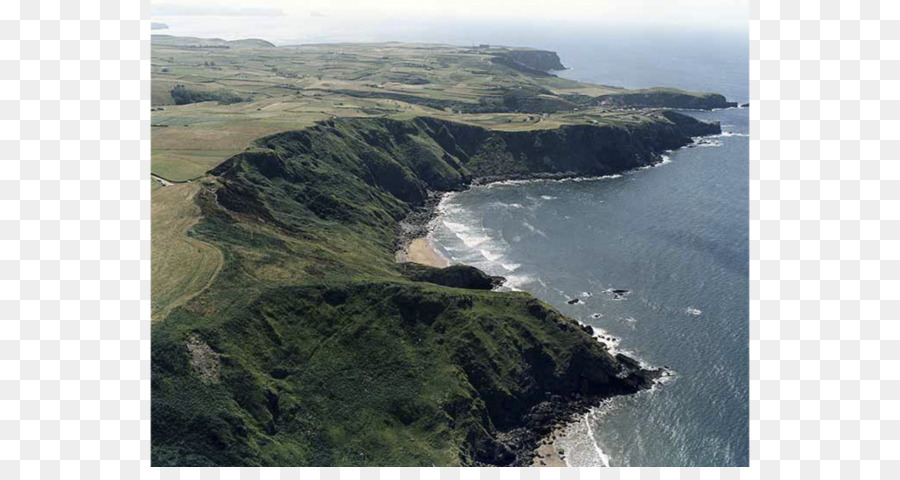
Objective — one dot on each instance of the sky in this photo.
(705, 14)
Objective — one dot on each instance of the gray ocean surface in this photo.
(674, 235)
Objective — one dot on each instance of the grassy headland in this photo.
(308, 344)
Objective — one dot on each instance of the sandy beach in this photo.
(421, 251)
(547, 455)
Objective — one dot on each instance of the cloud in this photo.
(170, 10)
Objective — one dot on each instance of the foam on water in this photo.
(502, 183)
(471, 241)
(731, 134)
(664, 159)
(596, 243)
(455, 227)
(492, 257)
(531, 228)
(579, 440)
(516, 282)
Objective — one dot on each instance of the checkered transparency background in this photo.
(75, 248)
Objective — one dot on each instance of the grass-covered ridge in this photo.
(292, 87)
(313, 347)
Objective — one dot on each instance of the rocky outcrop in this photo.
(665, 98)
(533, 62)
(538, 59)
(457, 276)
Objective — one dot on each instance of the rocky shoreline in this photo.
(529, 442)
(539, 424)
(419, 222)
(556, 413)
(296, 179)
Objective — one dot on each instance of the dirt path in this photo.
(181, 266)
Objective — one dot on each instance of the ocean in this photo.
(674, 235)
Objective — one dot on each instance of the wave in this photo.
(493, 257)
(531, 228)
(731, 134)
(512, 267)
(472, 241)
(500, 183)
(444, 205)
(604, 458)
(579, 441)
(708, 141)
(515, 282)
(455, 227)
(664, 159)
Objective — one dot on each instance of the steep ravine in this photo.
(343, 357)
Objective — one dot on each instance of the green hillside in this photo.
(312, 346)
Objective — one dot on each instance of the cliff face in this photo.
(543, 60)
(343, 357)
(336, 170)
(534, 62)
(665, 98)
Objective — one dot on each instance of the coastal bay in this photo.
(312, 345)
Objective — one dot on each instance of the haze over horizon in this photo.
(465, 21)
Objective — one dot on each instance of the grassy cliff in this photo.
(313, 347)
(287, 88)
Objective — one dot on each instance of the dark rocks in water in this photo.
(618, 293)
(574, 301)
(745, 105)
(457, 276)
(596, 315)
(628, 362)
(588, 329)
(637, 375)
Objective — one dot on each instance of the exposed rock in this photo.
(665, 98)
(457, 276)
(204, 361)
(534, 62)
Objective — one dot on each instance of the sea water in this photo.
(675, 236)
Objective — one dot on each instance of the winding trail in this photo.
(182, 266)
